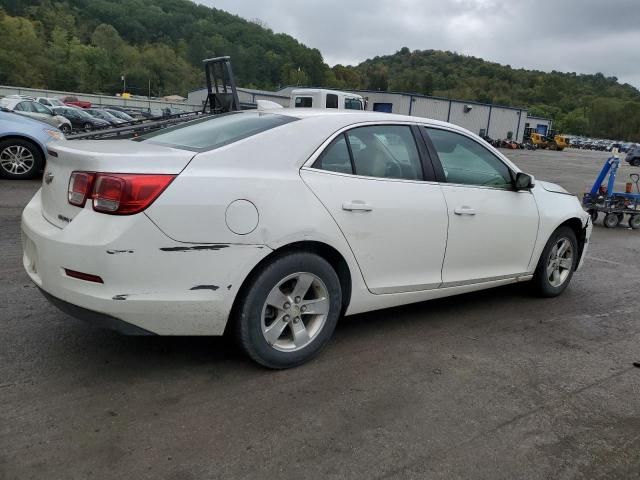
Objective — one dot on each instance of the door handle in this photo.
(464, 210)
(356, 206)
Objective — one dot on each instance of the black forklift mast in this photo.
(219, 73)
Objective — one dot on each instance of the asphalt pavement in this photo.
(491, 385)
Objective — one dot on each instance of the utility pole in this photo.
(124, 84)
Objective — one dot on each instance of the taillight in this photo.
(79, 190)
(124, 193)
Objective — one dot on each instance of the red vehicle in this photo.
(74, 102)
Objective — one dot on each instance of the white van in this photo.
(322, 98)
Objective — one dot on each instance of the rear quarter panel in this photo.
(265, 170)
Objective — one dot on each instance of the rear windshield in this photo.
(213, 132)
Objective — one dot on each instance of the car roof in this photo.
(343, 118)
(17, 118)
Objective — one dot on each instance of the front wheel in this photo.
(87, 127)
(19, 159)
(556, 264)
(289, 310)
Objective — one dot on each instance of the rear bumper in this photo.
(95, 319)
(151, 282)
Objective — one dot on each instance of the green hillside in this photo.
(585, 104)
(86, 45)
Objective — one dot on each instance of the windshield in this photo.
(121, 115)
(82, 113)
(213, 132)
(353, 104)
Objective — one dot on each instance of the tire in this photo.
(270, 308)
(594, 214)
(611, 220)
(634, 221)
(87, 126)
(554, 272)
(65, 128)
(20, 159)
(635, 162)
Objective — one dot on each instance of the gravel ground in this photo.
(490, 385)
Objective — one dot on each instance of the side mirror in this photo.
(524, 181)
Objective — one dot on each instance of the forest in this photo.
(158, 45)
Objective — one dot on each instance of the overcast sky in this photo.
(584, 36)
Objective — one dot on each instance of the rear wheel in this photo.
(634, 221)
(289, 310)
(611, 220)
(19, 159)
(636, 162)
(556, 264)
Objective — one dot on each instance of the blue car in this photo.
(23, 145)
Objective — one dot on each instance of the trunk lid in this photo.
(112, 156)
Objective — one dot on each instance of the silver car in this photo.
(50, 102)
(37, 111)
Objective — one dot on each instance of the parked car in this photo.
(104, 115)
(633, 155)
(33, 109)
(121, 115)
(23, 145)
(80, 120)
(50, 102)
(75, 102)
(154, 113)
(136, 114)
(271, 226)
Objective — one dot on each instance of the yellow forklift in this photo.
(551, 141)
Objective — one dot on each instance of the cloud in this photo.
(583, 36)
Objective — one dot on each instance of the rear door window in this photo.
(332, 100)
(382, 151)
(387, 151)
(336, 157)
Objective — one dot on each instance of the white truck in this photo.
(323, 98)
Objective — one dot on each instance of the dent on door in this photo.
(397, 230)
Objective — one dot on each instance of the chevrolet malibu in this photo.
(272, 224)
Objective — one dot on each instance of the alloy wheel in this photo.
(295, 311)
(560, 262)
(17, 160)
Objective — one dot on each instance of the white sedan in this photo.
(273, 224)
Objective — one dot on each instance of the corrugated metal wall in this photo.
(504, 121)
(430, 108)
(497, 124)
(473, 120)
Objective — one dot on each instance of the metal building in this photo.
(496, 121)
(539, 124)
